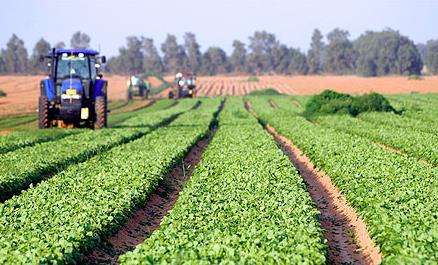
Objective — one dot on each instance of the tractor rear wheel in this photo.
(100, 112)
(43, 113)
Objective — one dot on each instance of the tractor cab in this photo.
(74, 94)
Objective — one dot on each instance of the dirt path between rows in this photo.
(347, 236)
(272, 104)
(148, 218)
(346, 233)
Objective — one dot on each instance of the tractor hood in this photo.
(68, 85)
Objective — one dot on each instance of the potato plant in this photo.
(66, 215)
(20, 139)
(244, 204)
(395, 195)
(421, 145)
(30, 165)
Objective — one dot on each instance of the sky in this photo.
(215, 23)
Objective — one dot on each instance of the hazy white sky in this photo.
(218, 22)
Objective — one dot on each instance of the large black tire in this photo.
(100, 112)
(43, 113)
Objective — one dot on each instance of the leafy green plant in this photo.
(394, 194)
(422, 145)
(331, 102)
(233, 212)
(30, 165)
(67, 214)
(253, 78)
(264, 92)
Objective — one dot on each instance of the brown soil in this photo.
(272, 104)
(147, 219)
(347, 235)
(307, 85)
(155, 82)
(22, 91)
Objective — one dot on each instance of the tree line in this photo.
(374, 53)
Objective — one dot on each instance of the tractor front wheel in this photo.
(100, 112)
(43, 113)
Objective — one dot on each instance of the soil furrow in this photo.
(55, 169)
(347, 236)
(273, 104)
(348, 239)
(147, 219)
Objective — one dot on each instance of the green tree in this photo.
(261, 45)
(80, 40)
(192, 48)
(281, 59)
(42, 48)
(431, 58)
(238, 57)
(59, 45)
(315, 54)
(386, 53)
(298, 62)
(152, 62)
(175, 58)
(132, 55)
(114, 65)
(2, 63)
(340, 56)
(15, 56)
(215, 61)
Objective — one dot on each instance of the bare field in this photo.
(22, 91)
(307, 85)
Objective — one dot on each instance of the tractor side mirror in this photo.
(103, 59)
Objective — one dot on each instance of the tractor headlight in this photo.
(71, 91)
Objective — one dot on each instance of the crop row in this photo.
(244, 204)
(30, 165)
(69, 213)
(116, 119)
(20, 139)
(399, 121)
(395, 195)
(421, 145)
(414, 137)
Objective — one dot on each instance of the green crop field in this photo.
(204, 181)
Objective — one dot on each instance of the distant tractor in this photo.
(74, 94)
(137, 87)
(184, 86)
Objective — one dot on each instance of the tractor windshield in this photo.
(73, 66)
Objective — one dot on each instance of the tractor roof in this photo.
(76, 51)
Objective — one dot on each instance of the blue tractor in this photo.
(74, 93)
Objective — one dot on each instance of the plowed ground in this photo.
(307, 85)
(23, 91)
